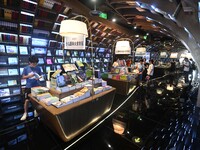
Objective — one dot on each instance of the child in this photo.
(32, 75)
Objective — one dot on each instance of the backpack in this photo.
(193, 66)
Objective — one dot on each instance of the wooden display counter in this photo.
(69, 121)
(122, 87)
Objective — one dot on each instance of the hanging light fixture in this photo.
(74, 32)
(123, 47)
(71, 27)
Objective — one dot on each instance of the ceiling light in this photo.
(132, 3)
(138, 3)
(114, 20)
(147, 18)
(57, 24)
(109, 146)
(26, 13)
(140, 9)
(26, 25)
(62, 15)
(30, 2)
(153, 7)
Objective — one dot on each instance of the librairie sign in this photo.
(74, 42)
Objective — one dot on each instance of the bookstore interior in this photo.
(133, 80)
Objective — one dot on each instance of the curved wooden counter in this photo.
(69, 121)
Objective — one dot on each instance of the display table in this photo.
(69, 121)
(160, 71)
(122, 87)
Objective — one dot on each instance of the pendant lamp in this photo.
(123, 47)
(71, 27)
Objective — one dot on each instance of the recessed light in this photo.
(114, 20)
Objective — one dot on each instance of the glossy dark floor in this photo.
(152, 118)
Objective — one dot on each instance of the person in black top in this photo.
(144, 73)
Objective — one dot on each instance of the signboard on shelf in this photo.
(74, 42)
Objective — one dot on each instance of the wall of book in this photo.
(32, 28)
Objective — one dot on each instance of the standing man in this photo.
(32, 74)
(150, 70)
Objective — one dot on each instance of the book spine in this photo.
(5, 2)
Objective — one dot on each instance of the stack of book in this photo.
(43, 96)
(38, 90)
(48, 101)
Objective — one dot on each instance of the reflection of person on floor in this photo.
(173, 66)
(32, 74)
(186, 69)
(144, 73)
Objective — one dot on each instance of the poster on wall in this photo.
(74, 42)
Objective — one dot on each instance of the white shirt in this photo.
(186, 65)
(150, 70)
(140, 67)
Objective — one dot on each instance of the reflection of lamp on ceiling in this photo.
(122, 46)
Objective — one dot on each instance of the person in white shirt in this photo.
(150, 70)
(186, 68)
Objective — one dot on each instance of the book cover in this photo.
(58, 104)
(3, 71)
(12, 60)
(49, 61)
(7, 14)
(12, 72)
(4, 92)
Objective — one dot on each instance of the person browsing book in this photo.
(32, 74)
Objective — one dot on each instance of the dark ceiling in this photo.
(146, 16)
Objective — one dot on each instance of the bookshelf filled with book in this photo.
(33, 29)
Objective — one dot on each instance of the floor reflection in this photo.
(161, 114)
